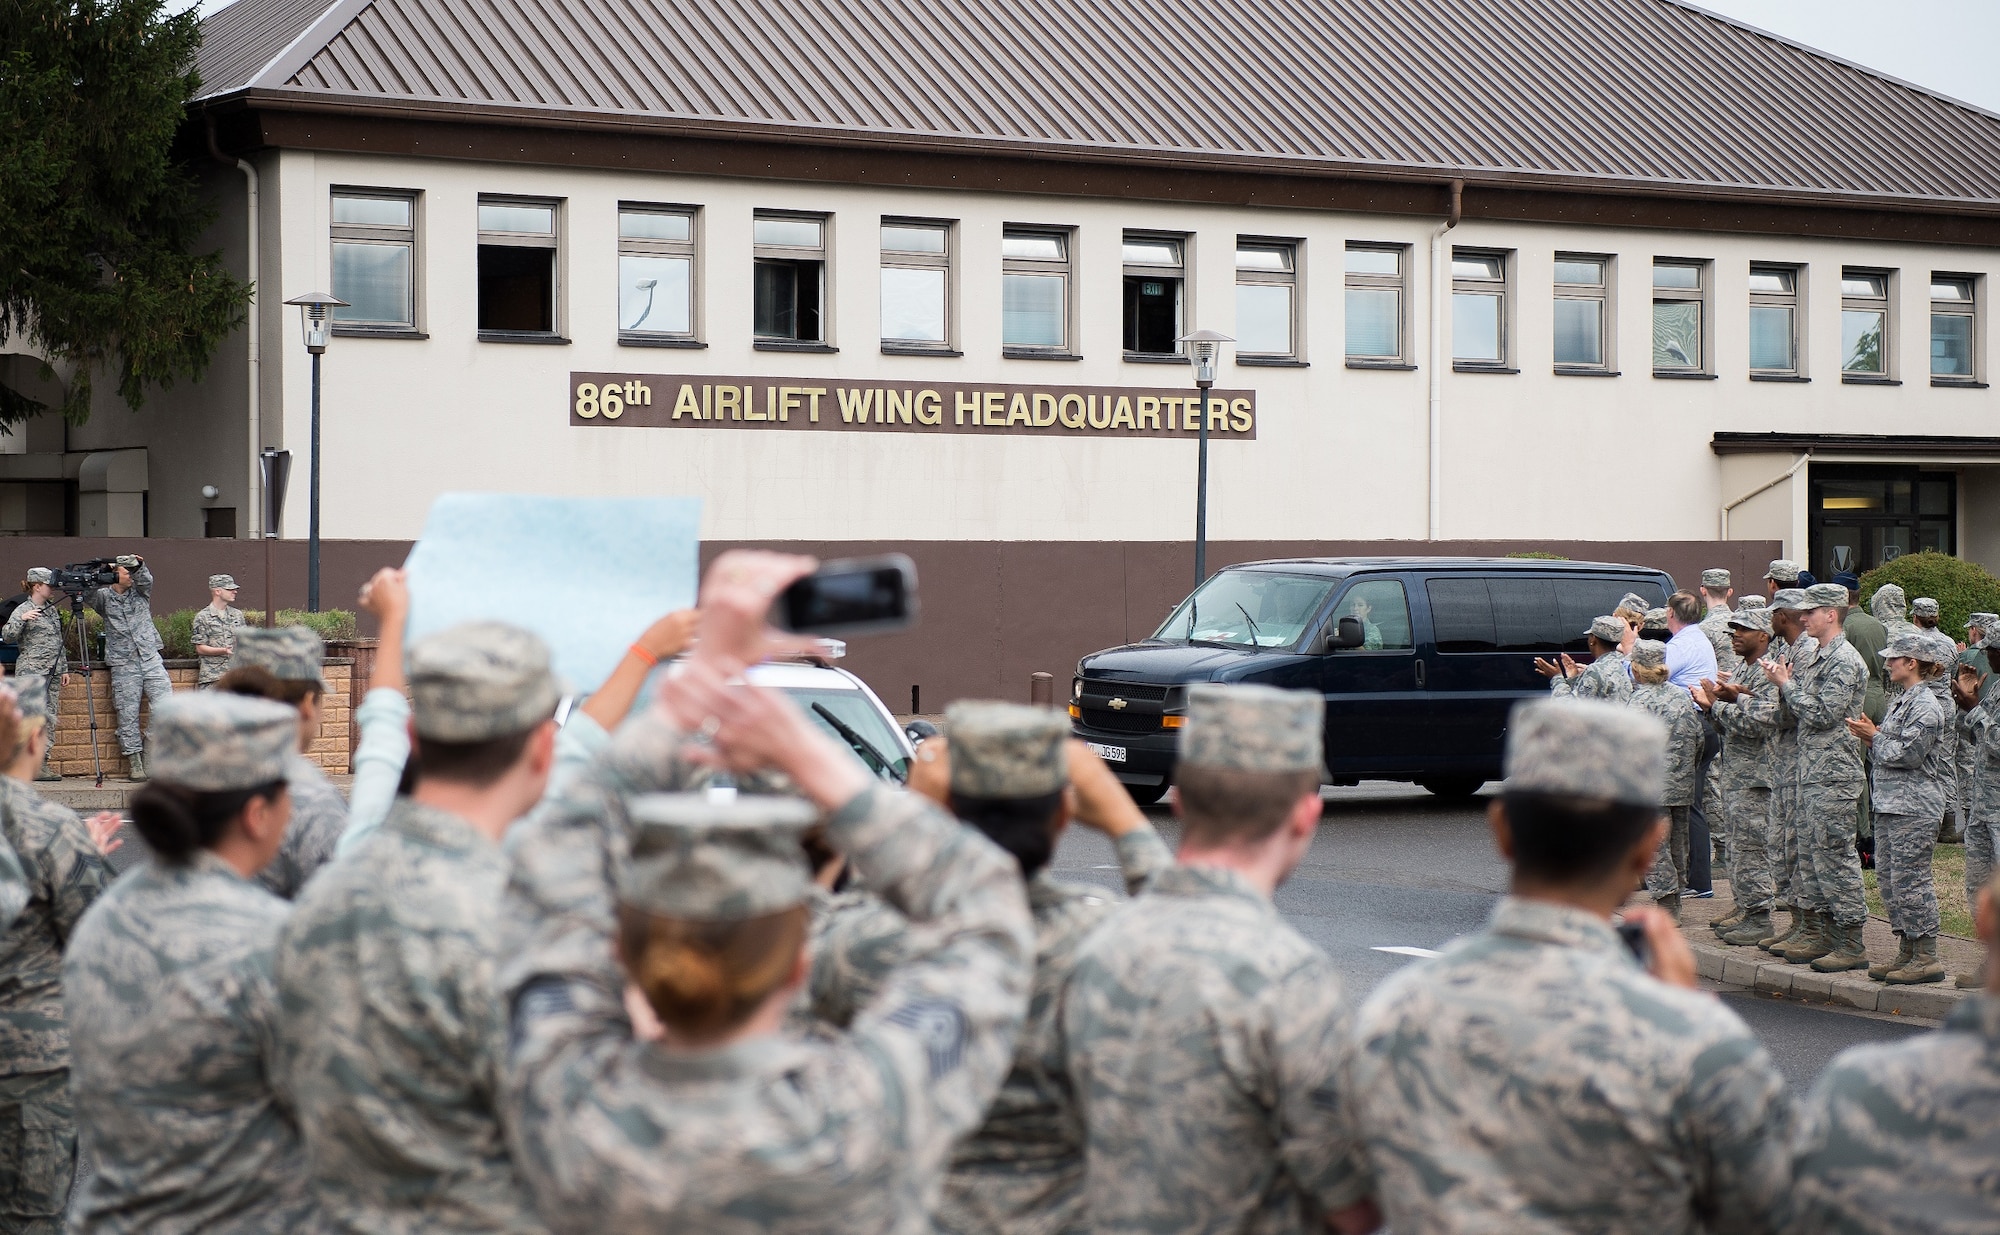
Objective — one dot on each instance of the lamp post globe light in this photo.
(1204, 348)
(316, 318)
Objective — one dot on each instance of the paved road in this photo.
(1393, 867)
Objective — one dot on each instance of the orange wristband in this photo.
(643, 654)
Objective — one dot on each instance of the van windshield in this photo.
(1248, 608)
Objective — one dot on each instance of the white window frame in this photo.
(1885, 304)
(1600, 292)
(552, 241)
(351, 233)
(1795, 300)
(1698, 295)
(1974, 308)
(1063, 268)
(1182, 274)
(1293, 278)
(689, 249)
(822, 255)
(894, 259)
(1495, 288)
(1399, 283)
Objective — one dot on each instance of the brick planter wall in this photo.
(71, 756)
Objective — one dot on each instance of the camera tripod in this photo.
(89, 695)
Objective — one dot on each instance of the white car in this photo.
(843, 705)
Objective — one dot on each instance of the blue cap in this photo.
(1807, 579)
(1849, 580)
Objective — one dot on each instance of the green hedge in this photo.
(1538, 554)
(177, 628)
(1960, 588)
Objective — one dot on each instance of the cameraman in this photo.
(36, 628)
(132, 651)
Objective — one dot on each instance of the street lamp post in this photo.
(1203, 348)
(316, 317)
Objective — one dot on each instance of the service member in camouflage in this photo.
(36, 629)
(66, 874)
(1977, 698)
(1898, 1139)
(287, 665)
(215, 629)
(1745, 708)
(1017, 776)
(132, 652)
(714, 1119)
(1967, 772)
(1783, 573)
(393, 1030)
(1795, 891)
(1951, 830)
(1605, 677)
(1904, 756)
(1536, 1077)
(1201, 1032)
(1825, 695)
(1674, 708)
(1716, 594)
(173, 1017)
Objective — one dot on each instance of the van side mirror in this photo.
(1347, 634)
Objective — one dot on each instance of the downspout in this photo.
(1437, 363)
(253, 518)
(1765, 487)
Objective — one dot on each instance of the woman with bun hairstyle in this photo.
(171, 1005)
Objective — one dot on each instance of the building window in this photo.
(656, 271)
(916, 283)
(517, 266)
(1375, 303)
(1155, 279)
(1267, 278)
(1478, 307)
(1034, 289)
(790, 277)
(1864, 322)
(1774, 321)
(1582, 311)
(1680, 290)
(1954, 312)
(375, 258)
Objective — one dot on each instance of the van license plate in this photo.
(1110, 754)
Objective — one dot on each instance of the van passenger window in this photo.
(1495, 615)
(1384, 612)
(1462, 614)
(1582, 601)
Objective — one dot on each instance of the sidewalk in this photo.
(1753, 968)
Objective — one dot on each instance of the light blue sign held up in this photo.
(588, 574)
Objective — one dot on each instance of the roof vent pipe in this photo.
(253, 503)
(1438, 285)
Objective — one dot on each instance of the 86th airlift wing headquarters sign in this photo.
(656, 401)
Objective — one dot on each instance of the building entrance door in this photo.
(1863, 516)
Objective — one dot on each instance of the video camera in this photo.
(79, 577)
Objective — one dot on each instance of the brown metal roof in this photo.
(1619, 95)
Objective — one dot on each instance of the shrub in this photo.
(1538, 554)
(177, 628)
(1960, 588)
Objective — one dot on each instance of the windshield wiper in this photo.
(860, 744)
(1256, 640)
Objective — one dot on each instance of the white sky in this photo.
(1944, 45)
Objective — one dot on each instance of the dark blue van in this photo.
(1420, 659)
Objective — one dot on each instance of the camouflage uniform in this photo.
(1535, 1078)
(65, 876)
(1685, 737)
(841, 1132)
(38, 631)
(1824, 695)
(14, 890)
(215, 628)
(1201, 1034)
(1749, 728)
(319, 813)
(393, 1026)
(174, 1019)
(1967, 769)
(132, 652)
(856, 941)
(1796, 888)
(1909, 799)
(1604, 678)
(1980, 733)
(1898, 1139)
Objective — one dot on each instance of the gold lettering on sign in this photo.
(1070, 420)
(930, 399)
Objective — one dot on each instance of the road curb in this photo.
(1758, 970)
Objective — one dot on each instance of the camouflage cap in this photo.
(211, 742)
(224, 583)
(1007, 750)
(1585, 748)
(1649, 654)
(33, 688)
(1943, 649)
(1633, 601)
(1656, 619)
(1909, 643)
(1714, 579)
(40, 574)
(1784, 570)
(129, 561)
(1253, 729)
(1608, 628)
(1752, 601)
(709, 860)
(477, 681)
(288, 653)
(1924, 607)
(1826, 596)
(1751, 617)
(1791, 598)
(1984, 621)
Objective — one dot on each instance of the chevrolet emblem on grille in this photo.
(1116, 705)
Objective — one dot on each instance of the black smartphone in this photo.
(852, 596)
(1634, 936)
